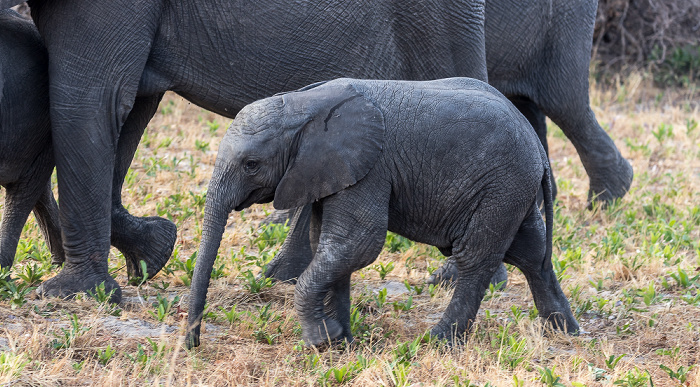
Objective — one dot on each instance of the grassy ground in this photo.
(631, 272)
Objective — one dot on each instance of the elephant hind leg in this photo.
(149, 239)
(528, 253)
(478, 256)
(19, 200)
(28, 191)
(46, 213)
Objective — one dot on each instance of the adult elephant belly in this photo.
(223, 66)
(111, 61)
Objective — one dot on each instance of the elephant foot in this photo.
(563, 323)
(324, 333)
(448, 335)
(611, 182)
(149, 239)
(74, 279)
(277, 217)
(447, 275)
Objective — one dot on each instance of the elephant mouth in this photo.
(259, 196)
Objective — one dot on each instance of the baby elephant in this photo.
(450, 163)
(26, 154)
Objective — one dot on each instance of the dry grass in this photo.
(615, 264)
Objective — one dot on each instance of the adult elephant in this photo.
(110, 61)
(538, 54)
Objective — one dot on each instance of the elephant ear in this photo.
(338, 145)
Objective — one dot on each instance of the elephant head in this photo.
(293, 148)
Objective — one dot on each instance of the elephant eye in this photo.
(250, 165)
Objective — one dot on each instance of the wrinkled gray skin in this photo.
(26, 155)
(112, 60)
(538, 54)
(450, 163)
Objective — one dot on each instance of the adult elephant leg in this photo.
(562, 94)
(19, 200)
(528, 253)
(609, 173)
(46, 213)
(295, 254)
(539, 122)
(148, 239)
(93, 79)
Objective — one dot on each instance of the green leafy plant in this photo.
(271, 235)
(105, 355)
(163, 306)
(383, 269)
(612, 361)
(66, 337)
(680, 375)
(13, 291)
(417, 289)
(550, 378)
(12, 364)
(634, 378)
(231, 315)
(100, 294)
(266, 327)
(663, 132)
(32, 273)
(493, 290)
(403, 305)
(683, 280)
(255, 284)
(201, 146)
(380, 298)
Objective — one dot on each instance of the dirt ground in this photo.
(631, 272)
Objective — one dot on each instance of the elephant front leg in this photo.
(93, 80)
(351, 236)
(85, 191)
(295, 254)
(149, 239)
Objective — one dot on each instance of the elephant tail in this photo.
(548, 211)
